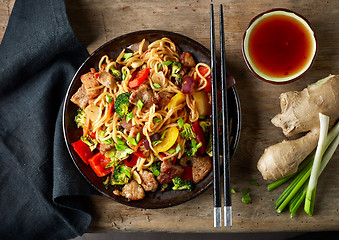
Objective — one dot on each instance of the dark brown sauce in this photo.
(280, 46)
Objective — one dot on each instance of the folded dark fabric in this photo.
(42, 195)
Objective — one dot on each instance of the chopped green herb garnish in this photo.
(245, 191)
(102, 133)
(156, 142)
(159, 66)
(167, 63)
(157, 85)
(246, 198)
(108, 98)
(137, 138)
(157, 120)
(254, 183)
(233, 190)
(127, 56)
(163, 135)
(124, 74)
(120, 141)
(171, 151)
(129, 116)
(180, 123)
(132, 141)
(140, 104)
(178, 148)
(108, 141)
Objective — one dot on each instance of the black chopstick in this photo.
(215, 149)
(226, 143)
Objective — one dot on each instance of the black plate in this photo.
(72, 133)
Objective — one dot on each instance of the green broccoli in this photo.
(92, 143)
(181, 185)
(80, 118)
(116, 73)
(122, 104)
(176, 67)
(192, 147)
(206, 126)
(155, 168)
(121, 175)
(187, 132)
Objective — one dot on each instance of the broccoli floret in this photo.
(181, 185)
(80, 118)
(192, 147)
(155, 168)
(121, 175)
(176, 67)
(92, 143)
(122, 104)
(206, 126)
(116, 73)
(187, 132)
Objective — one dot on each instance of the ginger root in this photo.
(299, 114)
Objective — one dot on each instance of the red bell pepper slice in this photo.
(187, 174)
(200, 136)
(82, 150)
(98, 163)
(203, 71)
(139, 78)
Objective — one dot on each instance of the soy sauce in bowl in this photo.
(279, 46)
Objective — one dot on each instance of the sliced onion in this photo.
(187, 85)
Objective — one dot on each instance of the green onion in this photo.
(156, 142)
(178, 148)
(127, 56)
(140, 104)
(129, 117)
(167, 63)
(108, 141)
(132, 141)
(120, 141)
(157, 120)
(108, 98)
(246, 198)
(156, 85)
(124, 74)
(254, 183)
(233, 190)
(180, 122)
(171, 151)
(163, 135)
(159, 66)
(137, 138)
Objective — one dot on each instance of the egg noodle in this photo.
(158, 118)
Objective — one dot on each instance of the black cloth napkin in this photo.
(42, 195)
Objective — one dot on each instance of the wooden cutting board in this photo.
(96, 22)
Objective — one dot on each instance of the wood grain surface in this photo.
(97, 21)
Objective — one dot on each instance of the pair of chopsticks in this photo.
(225, 129)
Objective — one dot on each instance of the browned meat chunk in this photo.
(103, 148)
(145, 95)
(106, 79)
(165, 98)
(133, 191)
(148, 181)
(80, 97)
(187, 59)
(168, 172)
(90, 84)
(134, 131)
(126, 125)
(201, 167)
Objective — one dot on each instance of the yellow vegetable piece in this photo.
(177, 99)
(168, 141)
(201, 99)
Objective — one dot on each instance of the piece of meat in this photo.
(145, 95)
(134, 131)
(168, 172)
(90, 82)
(126, 125)
(133, 191)
(80, 97)
(149, 183)
(187, 59)
(106, 79)
(202, 165)
(103, 148)
(165, 98)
